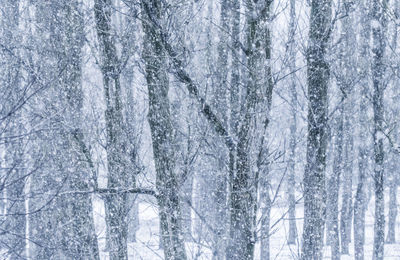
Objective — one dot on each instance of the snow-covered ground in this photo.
(147, 245)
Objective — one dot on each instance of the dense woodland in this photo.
(199, 129)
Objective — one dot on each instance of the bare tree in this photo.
(161, 130)
(378, 23)
(360, 197)
(293, 128)
(314, 175)
(117, 147)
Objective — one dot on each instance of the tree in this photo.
(378, 23)
(333, 186)
(243, 194)
(314, 175)
(393, 178)
(346, 81)
(116, 147)
(13, 164)
(360, 197)
(162, 132)
(68, 232)
(293, 128)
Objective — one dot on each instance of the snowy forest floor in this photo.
(147, 238)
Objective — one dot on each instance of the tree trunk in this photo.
(391, 236)
(360, 200)
(236, 61)
(115, 204)
(379, 43)
(393, 175)
(220, 193)
(345, 81)
(265, 209)
(345, 212)
(235, 103)
(66, 233)
(243, 194)
(314, 175)
(293, 128)
(187, 195)
(333, 188)
(162, 133)
(14, 169)
(133, 221)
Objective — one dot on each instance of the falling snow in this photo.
(199, 129)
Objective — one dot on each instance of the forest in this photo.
(199, 129)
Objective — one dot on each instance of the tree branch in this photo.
(191, 86)
(143, 191)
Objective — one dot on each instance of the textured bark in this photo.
(221, 105)
(265, 209)
(235, 77)
(235, 101)
(14, 224)
(333, 188)
(79, 238)
(13, 169)
(187, 195)
(117, 148)
(55, 233)
(293, 127)
(378, 50)
(222, 68)
(360, 197)
(391, 235)
(131, 121)
(347, 68)
(314, 175)
(162, 132)
(346, 211)
(243, 194)
(393, 175)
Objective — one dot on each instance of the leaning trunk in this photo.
(162, 133)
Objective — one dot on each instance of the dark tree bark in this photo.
(314, 175)
(378, 10)
(117, 147)
(162, 132)
(243, 193)
(393, 175)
